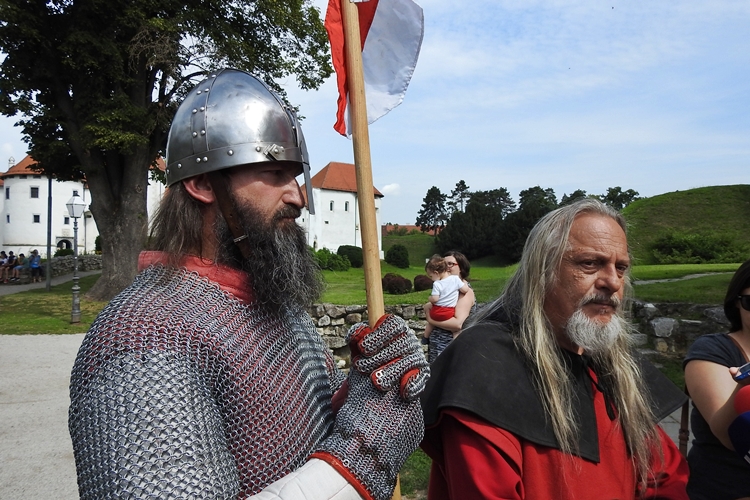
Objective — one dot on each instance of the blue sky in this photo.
(652, 96)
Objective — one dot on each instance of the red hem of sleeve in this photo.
(346, 473)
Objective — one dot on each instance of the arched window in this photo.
(346, 206)
(331, 206)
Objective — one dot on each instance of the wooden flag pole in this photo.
(362, 162)
(363, 169)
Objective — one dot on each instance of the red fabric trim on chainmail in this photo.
(345, 473)
(230, 280)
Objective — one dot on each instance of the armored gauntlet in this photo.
(381, 422)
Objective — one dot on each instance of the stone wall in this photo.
(670, 328)
(665, 327)
(64, 265)
(334, 321)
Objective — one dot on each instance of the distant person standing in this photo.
(445, 331)
(35, 264)
(446, 289)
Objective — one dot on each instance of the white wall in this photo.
(340, 226)
(24, 219)
(22, 234)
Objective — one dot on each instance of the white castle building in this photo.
(336, 219)
(24, 207)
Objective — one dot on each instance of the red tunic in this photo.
(473, 459)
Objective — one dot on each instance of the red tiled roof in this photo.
(23, 167)
(336, 176)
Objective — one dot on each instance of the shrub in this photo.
(679, 248)
(339, 263)
(396, 284)
(354, 254)
(398, 256)
(422, 282)
(61, 252)
(330, 261)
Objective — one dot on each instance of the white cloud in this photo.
(391, 189)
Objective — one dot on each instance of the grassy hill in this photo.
(420, 246)
(714, 211)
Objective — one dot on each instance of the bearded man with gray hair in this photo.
(206, 378)
(543, 397)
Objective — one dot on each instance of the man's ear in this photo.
(200, 188)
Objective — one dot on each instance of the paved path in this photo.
(35, 449)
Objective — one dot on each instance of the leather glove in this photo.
(380, 424)
(390, 354)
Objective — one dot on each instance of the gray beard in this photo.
(593, 337)
(281, 268)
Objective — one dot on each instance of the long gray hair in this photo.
(523, 301)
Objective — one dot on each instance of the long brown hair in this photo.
(177, 225)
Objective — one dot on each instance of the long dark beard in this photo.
(282, 270)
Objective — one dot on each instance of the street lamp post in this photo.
(75, 206)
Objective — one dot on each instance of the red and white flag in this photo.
(391, 32)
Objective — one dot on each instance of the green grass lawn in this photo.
(349, 287)
(667, 271)
(38, 311)
(703, 290)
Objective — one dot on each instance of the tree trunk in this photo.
(118, 204)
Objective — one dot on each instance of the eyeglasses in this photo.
(744, 301)
(451, 264)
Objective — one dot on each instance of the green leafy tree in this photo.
(473, 232)
(499, 199)
(618, 199)
(534, 203)
(459, 196)
(578, 194)
(470, 232)
(433, 214)
(96, 84)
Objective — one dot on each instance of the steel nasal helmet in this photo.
(229, 119)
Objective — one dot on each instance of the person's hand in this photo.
(733, 371)
(380, 424)
(390, 355)
(373, 435)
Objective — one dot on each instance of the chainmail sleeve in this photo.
(151, 441)
(180, 390)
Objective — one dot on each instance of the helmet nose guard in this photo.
(230, 119)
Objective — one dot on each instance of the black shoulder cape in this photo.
(483, 372)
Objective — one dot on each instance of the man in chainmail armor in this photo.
(206, 378)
